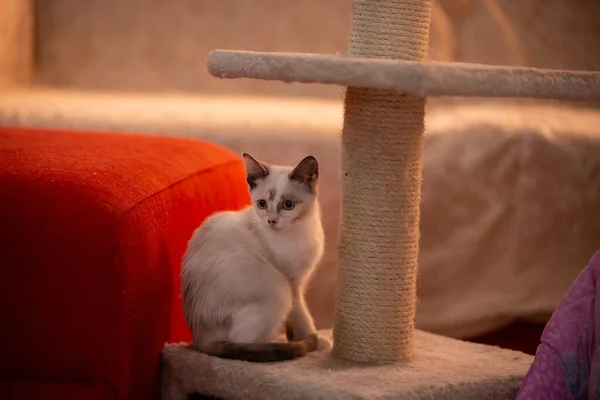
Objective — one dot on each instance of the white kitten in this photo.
(244, 273)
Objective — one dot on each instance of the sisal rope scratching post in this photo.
(381, 161)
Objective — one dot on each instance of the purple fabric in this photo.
(567, 362)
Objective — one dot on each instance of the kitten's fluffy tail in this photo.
(265, 352)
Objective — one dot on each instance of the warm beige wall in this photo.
(16, 42)
(162, 44)
(558, 34)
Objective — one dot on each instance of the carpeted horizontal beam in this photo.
(414, 77)
(441, 368)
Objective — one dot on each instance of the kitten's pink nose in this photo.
(272, 222)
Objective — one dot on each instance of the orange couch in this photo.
(92, 230)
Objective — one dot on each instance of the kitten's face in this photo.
(282, 196)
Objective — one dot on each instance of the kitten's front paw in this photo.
(323, 343)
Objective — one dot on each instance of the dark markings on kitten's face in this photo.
(280, 204)
(271, 195)
(288, 195)
(252, 181)
(299, 216)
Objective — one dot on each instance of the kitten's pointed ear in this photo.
(255, 170)
(307, 172)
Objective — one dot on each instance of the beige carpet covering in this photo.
(441, 368)
(414, 77)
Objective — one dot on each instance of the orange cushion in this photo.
(92, 230)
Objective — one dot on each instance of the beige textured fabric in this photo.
(423, 79)
(511, 202)
(16, 42)
(381, 149)
(442, 369)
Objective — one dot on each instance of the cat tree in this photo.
(376, 351)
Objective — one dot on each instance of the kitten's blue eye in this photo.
(288, 205)
(262, 204)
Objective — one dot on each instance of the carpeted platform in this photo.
(441, 368)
